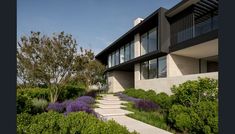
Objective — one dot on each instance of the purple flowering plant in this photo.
(58, 107)
(87, 99)
(146, 105)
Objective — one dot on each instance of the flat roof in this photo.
(131, 32)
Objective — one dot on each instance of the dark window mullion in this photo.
(148, 69)
(157, 68)
(129, 44)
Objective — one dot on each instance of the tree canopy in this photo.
(55, 60)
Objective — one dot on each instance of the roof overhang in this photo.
(128, 36)
(180, 7)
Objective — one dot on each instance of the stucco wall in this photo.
(119, 80)
(180, 65)
(165, 84)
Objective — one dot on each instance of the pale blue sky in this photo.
(93, 23)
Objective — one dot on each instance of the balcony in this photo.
(197, 20)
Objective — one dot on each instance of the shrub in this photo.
(71, 92)
(180, 118)
(92, 93)
(35, 92)
(163, 100)
(146, 105)
(192, 92)
(39, 105)
(87, 99)
(78, 122)
(23, 103)
(136, 93)
(208, 113)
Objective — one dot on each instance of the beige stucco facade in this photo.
(181, 65)
(119, 80)
(165, 84)
(185, 64)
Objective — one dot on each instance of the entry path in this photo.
(110, 108)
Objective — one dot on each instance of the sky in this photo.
(94, 24)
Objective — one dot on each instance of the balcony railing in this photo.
(196, 30)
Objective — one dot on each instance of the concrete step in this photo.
(109, 106)
(108, 102)
(111, 112)
(136, 125)
(111, 98)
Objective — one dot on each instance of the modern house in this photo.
(166, 48)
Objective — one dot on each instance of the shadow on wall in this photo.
(185, 65)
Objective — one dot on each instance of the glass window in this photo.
(132, 49)
(144, 45)
(162, 67)
(153, 69)
(117, 57)
(127, 52)
(113, 58)
(144, 70)
(152, 40)
(109, 60)
(122, 54)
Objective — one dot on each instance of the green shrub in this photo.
(71, 92)
(202, 118)
(208, 113)
(163, 100)
(35, 92)
(23, 103)
(78, 122)
(192, 92)
(39, 105)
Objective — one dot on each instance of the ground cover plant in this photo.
(75, 122)
(193, 108)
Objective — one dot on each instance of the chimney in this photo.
(137, 21)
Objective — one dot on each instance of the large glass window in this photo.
(132, 48)
(109, 60)
(127, 52)
(153, 69)
(149, 41)
(122, 54)
(162, 67)
(144, 44)
(152, 40)
(117, 57)
(144, 70)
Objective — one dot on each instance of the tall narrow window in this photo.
(122, 54)
(132, 49)
(152, 40)
(117, 57)
(144, 70)
(144, 44)
(127, 52)
(113, 59)
(153, 68)
(109, 60)
(162, 67)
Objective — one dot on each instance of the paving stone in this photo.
(110, 109)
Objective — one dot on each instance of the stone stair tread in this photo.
(110, 106)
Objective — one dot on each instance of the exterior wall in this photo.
(165, 84)
(180, 65)
(119, 80)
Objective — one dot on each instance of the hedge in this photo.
(78, 122)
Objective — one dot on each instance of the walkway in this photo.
(110, 108)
